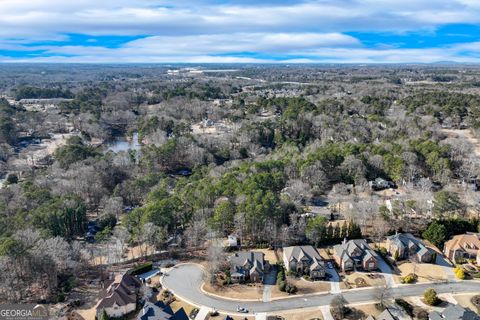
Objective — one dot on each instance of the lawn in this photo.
(236, 291)
(272, 255)
(301, 314)
(425, 272)
(464, 301)
(362, 280)
(307, 287)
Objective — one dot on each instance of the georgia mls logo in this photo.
(23, 312)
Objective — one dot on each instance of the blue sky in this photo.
(228, 31)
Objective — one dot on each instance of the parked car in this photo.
(242, 309)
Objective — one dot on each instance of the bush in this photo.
(459, 273)
(290, 288)
(411, 278)
(430, 297)
(140, 269)
(282, 286)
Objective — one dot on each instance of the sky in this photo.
(240, 31)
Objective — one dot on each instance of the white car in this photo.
(242, 309)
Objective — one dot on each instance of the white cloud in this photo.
(206, 31)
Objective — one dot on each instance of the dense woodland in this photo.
(299, 136)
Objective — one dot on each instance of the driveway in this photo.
(387, 273)
(447, 267)
(334, 280)
(185, 282)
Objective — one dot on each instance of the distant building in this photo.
(381, 184)
(406, 246)
(120, 298)
(248, 266)
(304, 260)
(160, 311)
(463, 246)
(232, 241)
(355, 254)
(454, 312)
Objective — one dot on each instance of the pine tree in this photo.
(344, 231)
(329, 235)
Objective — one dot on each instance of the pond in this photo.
(124, 144)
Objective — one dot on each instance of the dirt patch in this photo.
(425, 272)
(236, 291)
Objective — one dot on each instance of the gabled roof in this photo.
(346, 248)
(463, 241)
(253, 258)
(406, 240)
(387, 315)
(122, 292)
(160, 311)
(454, 312)
(298, 252)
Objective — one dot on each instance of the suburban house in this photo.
(248, 266)
(463, 246)
(454, 312)
(304, 260)
(355, 254)
(160, 311)
(381, 184)
(405, 246)
(120, 297)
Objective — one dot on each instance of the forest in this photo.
(225, 153)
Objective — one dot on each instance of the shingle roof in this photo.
(254, 258)
(454, 312)
(462, 240)
(121, 292)
(160, 311)
(297, 252)
(346, 249)
(408, 240)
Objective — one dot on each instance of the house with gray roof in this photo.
(406, 246)
(454, 312)
(355, 254)
(160, 311)
(248, 266)
(304, 260)
(120, 298)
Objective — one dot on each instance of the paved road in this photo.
(185, 281)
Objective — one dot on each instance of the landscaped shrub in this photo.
(140, 269)
(459, 273)
(282, 286)
(411, 278)
(290, 288)
(430, 297)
